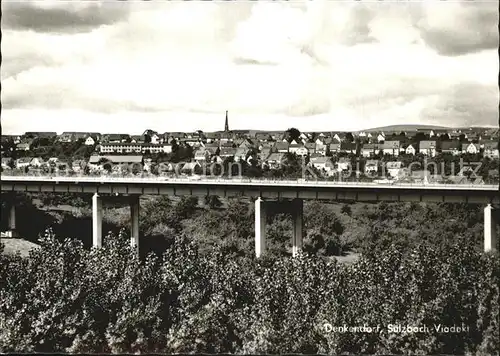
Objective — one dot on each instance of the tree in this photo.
(346, 209)
(253, 169)
(212, 201)
(292, 134)
(323, 229)
(66, 298)
(105, 163)
(182, 152)
(159, 211)
(444, 137)
(420, 136)
(291, 166)
(186, 206)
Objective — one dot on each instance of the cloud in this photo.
(351, 28)
(252, 61)
(323, 62)
(469, 102)
(58, 16)
(23, 51)
(456, 28)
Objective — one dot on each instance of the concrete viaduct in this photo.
(270, 197)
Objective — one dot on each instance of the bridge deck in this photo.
(237, 187)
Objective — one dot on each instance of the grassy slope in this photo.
(14, 245)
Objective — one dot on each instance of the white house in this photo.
(428, 148)
(6, 162)
(134, 148)
(24, 146)
(410, 150)
(321, 148)
(491, 149)
(293, 147)
(471, 148)
(394, 168)
(89, 141)
(282, 147)
(191, 167)
(202, 155)
(23, 162)
(94, 163)
(120, 147)
(371, 166)
(343, 164)
(302, 151)
(37, 162)
(333, 148)
(53, 160)
(155, 139)
(390, 148)
(78, 165)
(369, 149)
(241, 153)
(299, 150)
(274, 160)
(322, 163)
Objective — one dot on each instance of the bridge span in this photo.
(271, 196)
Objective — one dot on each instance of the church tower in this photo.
(226, 126)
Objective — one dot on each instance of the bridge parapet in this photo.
(253, 188)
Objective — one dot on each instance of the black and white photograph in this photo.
(250, 177)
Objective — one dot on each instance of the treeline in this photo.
(329, 229)
(65, 298)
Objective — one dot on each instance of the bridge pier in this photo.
(490, 228)
(96, 220)
(134, 222)
(297, 216)
(263, 209)
(260, 226)
(11, 221)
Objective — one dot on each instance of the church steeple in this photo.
(226, 126)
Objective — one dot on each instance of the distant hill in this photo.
(415, 127)
(409, 127)
(395, 128)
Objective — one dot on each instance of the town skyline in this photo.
(315, 65)
(389, 128)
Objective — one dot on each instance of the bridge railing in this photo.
(144, 177)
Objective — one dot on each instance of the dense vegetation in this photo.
(329, 229)
(202, 290)
(67, 298)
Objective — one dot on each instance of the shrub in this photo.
(212, 201)
(64, 298)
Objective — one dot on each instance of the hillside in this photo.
(13, 246)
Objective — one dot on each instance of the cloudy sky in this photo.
(316, 65)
